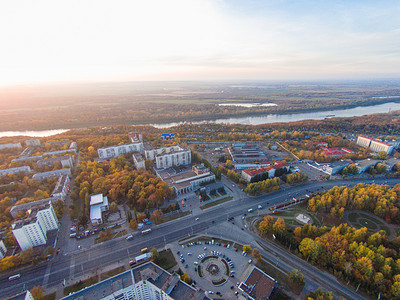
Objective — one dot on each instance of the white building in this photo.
(26, 206)
(376, 145)
(24, 169)
(10, 146)
(62, 187)
(32, 142)
(56, 173)
(98, 204)
(3, 249)
(113, 151)
(31, 232)
(167, 157)
(138, 161)
(65, 161)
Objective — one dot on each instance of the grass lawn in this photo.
(51, 296)
(166, 259)
(174, 216)
(387, 230)
(353, 217)
(211, 204)
(80, 285)
(293, 222)
(112, 273)
(368, 217)
(368, 223)
(282, 278)
(285, 213)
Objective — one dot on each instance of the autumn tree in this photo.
(156, 216)
(247, 249)
(133, 224)
(256, 254)
(279, 226)
(265, 226)
(37, 292)
(296, 277)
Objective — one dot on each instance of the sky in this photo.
(81, 40)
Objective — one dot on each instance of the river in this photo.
(254, 120)
(315, 115)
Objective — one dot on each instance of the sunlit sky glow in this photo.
(78, 40)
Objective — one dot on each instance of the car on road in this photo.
(260, 207)
(250, 210)
(197, 219)
(129, 237)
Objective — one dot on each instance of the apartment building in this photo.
(55, 173)
(65, 161)
(138, 161)
(31, 231)
(114, 151)
(32, 142)
(62, 187)
(167, 157)
(3, 249)
(10, 146)
(26, 206)
(376, 145)
(24, 169)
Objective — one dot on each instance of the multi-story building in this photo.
(167, 157)
(114, 151)
(365, 164)
(10, 146)
(51, 153)
(98, 204)
(146, 281)
(3, 249)
(55, 173)
(24, 169)
(65, 161)
(15, 210)
(257, 285)
(62, 187)
(376, 145)
(32, 142)
(250, 174)
(138, 161)
(31, 231)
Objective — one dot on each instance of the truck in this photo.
(139, 259)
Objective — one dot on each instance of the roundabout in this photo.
(214, 269)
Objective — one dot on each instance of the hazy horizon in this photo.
(90, 41)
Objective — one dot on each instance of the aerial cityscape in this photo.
(199, 150)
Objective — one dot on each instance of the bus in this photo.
(14, 277)
(146, 231)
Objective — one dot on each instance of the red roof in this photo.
(253, 172)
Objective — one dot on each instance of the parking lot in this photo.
(214, 267)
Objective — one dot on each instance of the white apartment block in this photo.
(10, 146)
(138, 161)
(62, 187)
(113, 151)
(3, 249)
(166, 157)
(31, 232)
(24, 169)
(376, 145)
(32, 142)
(56, 173)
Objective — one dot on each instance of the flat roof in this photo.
(96, 199)
(366, 162)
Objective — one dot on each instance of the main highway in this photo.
(69, 265)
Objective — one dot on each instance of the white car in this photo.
(197, 219)
(260, 206)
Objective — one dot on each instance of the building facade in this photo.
(376, 145)
(50, 174)
(167, 157)
(32, 142)
(3, 249)
(31, 231)
(114, 151)
(10, 146)
(98, 205)
(24, 169)
(138, 161)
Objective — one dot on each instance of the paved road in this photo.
(70, 265)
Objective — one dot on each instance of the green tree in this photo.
(154, 254)
(296, 277)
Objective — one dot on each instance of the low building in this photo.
(10, 146)
(3, 249)
(335, 152)
(390, 163)
(246, 153)
(26, 206)
(365, 164)
(336, 166)
(186, 181)
(252, 166)
(258, 285)
(50, 174)
(118, 150)
(98, 205)
(147, 281)
(32, 142)
(251, 174)
(62, 188)
(65, 161)
(31, 231)
(138, 161)
(24, 169)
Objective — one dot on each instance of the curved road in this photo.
(80, 262)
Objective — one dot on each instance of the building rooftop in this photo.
(340, 163)
(258, 285)
(367, 162)
(375, 140)
(96, 199)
